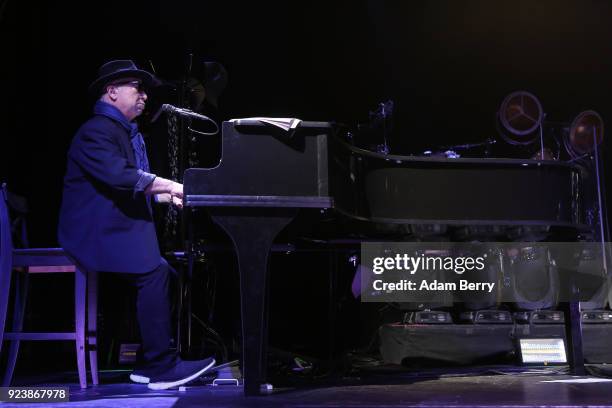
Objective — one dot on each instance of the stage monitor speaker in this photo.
(487, 317)
(596, 316)
(540, 317)
(432, 317)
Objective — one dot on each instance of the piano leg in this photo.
(568, 268)
(332, 305)
(242, 225)
(573, 336)
(179, 309)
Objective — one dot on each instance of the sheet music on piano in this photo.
(283, 123)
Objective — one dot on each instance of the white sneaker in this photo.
(181, 373)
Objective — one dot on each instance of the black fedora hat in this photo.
(120, 69)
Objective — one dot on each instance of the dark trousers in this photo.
(153, 313)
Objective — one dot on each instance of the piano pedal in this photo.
(228, 375)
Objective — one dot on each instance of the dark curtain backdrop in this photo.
(446, 64)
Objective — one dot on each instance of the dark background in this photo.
(447, 65)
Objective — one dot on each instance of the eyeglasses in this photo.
(135, 84)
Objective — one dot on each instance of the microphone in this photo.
(183, 112)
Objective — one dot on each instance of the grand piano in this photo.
(268, 175)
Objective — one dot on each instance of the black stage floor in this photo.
(473, 387)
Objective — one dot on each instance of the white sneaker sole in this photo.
(166, 385)
(140, 379)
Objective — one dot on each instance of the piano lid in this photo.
(263, 166)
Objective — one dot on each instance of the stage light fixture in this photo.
(432, 317)
(487, 316)
(540, 317)
(586, 130)
(534, 278)
(484, 302)
(597, 316)
(594, 285)
(519, 118)
(542, 351)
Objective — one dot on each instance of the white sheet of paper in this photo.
(283, 123)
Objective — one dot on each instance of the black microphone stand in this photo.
(185, 276)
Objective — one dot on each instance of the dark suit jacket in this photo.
(105, 221)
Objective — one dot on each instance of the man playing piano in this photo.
(106, 221)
